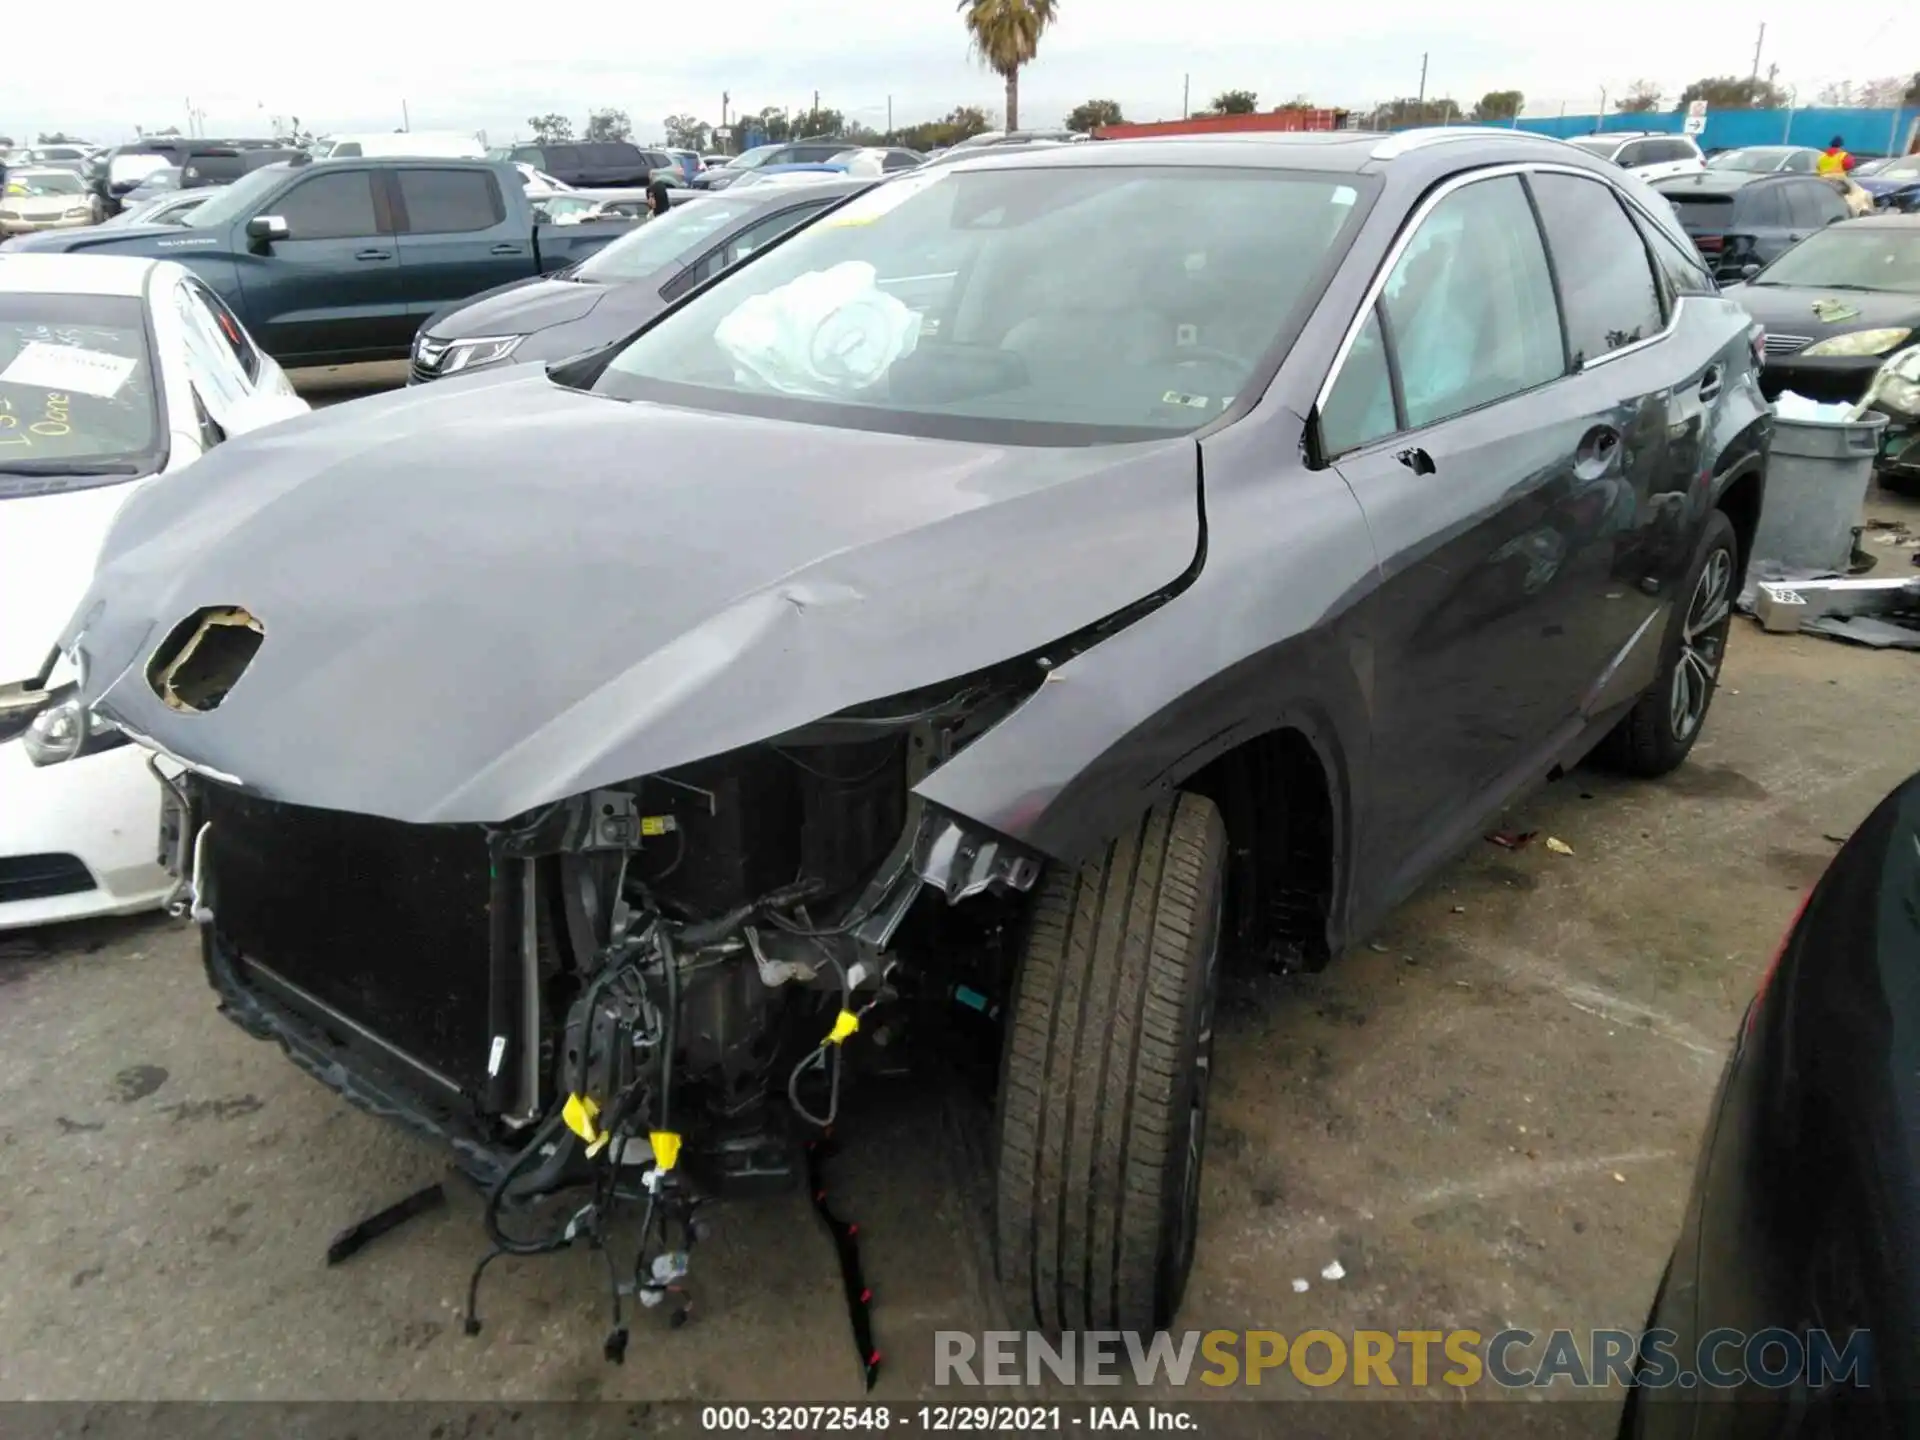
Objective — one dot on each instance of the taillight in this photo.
(1712, 244)
(1766, 976)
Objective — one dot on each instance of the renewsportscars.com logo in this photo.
(1511, 1359)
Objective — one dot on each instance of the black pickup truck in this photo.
(336, 261)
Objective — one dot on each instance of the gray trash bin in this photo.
(1816, 485)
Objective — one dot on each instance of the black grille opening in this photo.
(382, 922)
(41, 877)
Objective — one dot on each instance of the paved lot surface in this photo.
(1487, 1117)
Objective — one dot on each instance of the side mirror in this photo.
(268, 228)
(1747, 272)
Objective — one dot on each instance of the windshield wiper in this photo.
(69, 467)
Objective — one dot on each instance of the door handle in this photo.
(1416, 460)
(507, 250)
(373, 254)
(1710, 385)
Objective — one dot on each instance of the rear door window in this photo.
(1633, 154)
(1815, 204)
(334, 206)
(529, 155)
(1607, 288)
(1763, 207)
(450, 202)
(564, 157)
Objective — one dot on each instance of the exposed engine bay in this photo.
(632, 1000)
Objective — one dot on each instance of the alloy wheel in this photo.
(1703, 644)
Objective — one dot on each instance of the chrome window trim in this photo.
(1443, 191)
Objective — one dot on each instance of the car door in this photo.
(332, 287)
(1488, 461)
(452, 238)
(273, 395)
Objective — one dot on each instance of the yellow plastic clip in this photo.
(666, 1148)
(580, 1112)
(844, 1024)
(597, 1146)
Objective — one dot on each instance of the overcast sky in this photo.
(349, 64)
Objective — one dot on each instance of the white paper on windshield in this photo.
(68, 367)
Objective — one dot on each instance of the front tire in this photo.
(1103, 1086)
(1655, 736)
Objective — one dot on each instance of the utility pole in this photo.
(406, 120)
(889, 117)
(1762, 40)
(1420, 105)
(1186, 97)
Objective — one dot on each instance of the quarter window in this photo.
(1360, 407)
(1470, 305)
(1606, 281)
(1684, 273)
(230, 329)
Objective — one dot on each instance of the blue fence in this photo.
(1880, 132)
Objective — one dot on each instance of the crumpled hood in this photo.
(491, 593)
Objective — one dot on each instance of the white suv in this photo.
(1650, 156)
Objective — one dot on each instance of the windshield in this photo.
(1601, 145)
(659, 243)
(754, 158)
(1754, 159)
(1899, 170)
(45, 182)
(1119, 303)
(1852, 257)
(78, 399)
(134, 167)
(240, 200)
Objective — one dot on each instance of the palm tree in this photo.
(1006, 35)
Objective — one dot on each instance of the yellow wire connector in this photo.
(666, 1148)
(579, 1113)
(844, 1024)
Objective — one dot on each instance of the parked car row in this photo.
(1331, 390)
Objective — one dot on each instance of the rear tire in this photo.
(1103, 1084)
(1655, 736)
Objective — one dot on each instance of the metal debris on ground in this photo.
(1300, 1286)
(1333, 1270)
(1558, 846)
(1512, 839)
(1882, 613)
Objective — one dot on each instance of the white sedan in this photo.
(114, 372)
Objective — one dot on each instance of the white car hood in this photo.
(42, 207)
(48, 546)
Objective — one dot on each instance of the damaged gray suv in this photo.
(1025, 585)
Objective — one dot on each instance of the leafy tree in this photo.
(770, 122)
(818, 122)
(1733, 92)
(1642, 97)
(961, 123)
(1912, 97)
(1234, 102)
(1005, 34)
(606, 125)
(1499, 105)
(550, 129)
(1090, 115)
(59, 137)
(1407, 111)
(685, 132)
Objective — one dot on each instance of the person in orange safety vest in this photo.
(1835, 160)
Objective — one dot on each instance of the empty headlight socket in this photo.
(203, 658)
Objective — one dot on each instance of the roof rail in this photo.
(1405, 140)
